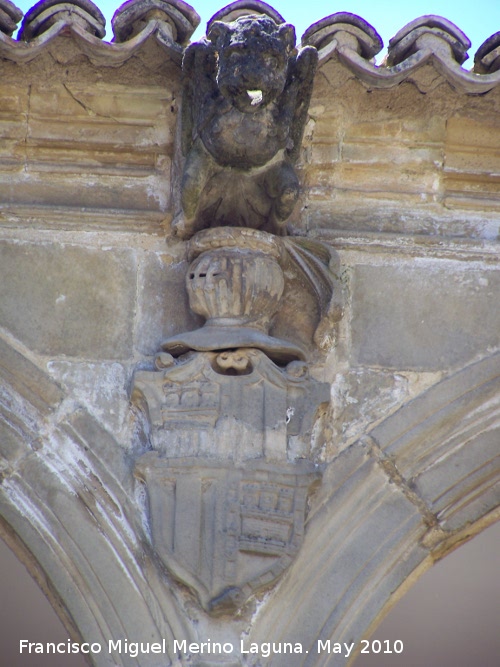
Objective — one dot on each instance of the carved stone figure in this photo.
(231, 423)
(280, 295)
(245, 102)
(236, 282)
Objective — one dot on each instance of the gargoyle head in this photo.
(253, 58)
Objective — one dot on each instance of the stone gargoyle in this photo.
(245, 102)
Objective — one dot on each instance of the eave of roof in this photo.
(387, 77)
(105, 54)
(427, 40)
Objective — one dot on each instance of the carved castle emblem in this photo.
(231, 409)
(224, 530)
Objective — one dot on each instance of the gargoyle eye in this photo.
(271, 62)
(236, 52)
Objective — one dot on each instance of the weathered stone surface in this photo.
(242, 124)
(101, 451)
(359, 398)
(451, 485)
(162, 303)
(245, 282)
(27, 397)
(339, 570)
(235, 282)
(230, 468)
(386, 156)
(472, 162)
(28, 380)
(425, 318)
(226, 531)
(91, 146)
(68, 300)
(398, 170)
(101, 388)
(82, 567)
(12, 446)
(360, 170)
(445, 444)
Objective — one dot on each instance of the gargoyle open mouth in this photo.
(256, 97)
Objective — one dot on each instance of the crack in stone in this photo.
(26, 136)
(391, 470)
(90, 111)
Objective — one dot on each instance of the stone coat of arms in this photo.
(228, 477)
(231, 408)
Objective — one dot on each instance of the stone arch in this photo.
(421, 482)
(66, 508)
(418, 484)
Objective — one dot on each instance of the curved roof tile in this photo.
(347, 37)
(103, 54)
(434, 31)
(10, 15)
(367, 40)
(133, 16)
(487, 58)
(245, 8)
(48, 12)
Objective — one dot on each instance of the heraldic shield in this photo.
(222, 529)
(229, 470)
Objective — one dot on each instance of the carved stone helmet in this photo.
(235, 287)
(236, 283)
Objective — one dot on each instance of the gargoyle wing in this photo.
(199, 89)
(319, 265)
(300, 88)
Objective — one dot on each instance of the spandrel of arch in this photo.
(66, 497)
(423, 480)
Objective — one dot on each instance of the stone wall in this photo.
(401, 179)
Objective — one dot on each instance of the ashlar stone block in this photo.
(72, 301)
(423, 318)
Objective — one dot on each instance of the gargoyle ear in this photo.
(287, 34)
(218, 30)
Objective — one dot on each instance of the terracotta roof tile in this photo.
(47, 13)
(10, 15)
(133, 16)
(343, 36)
